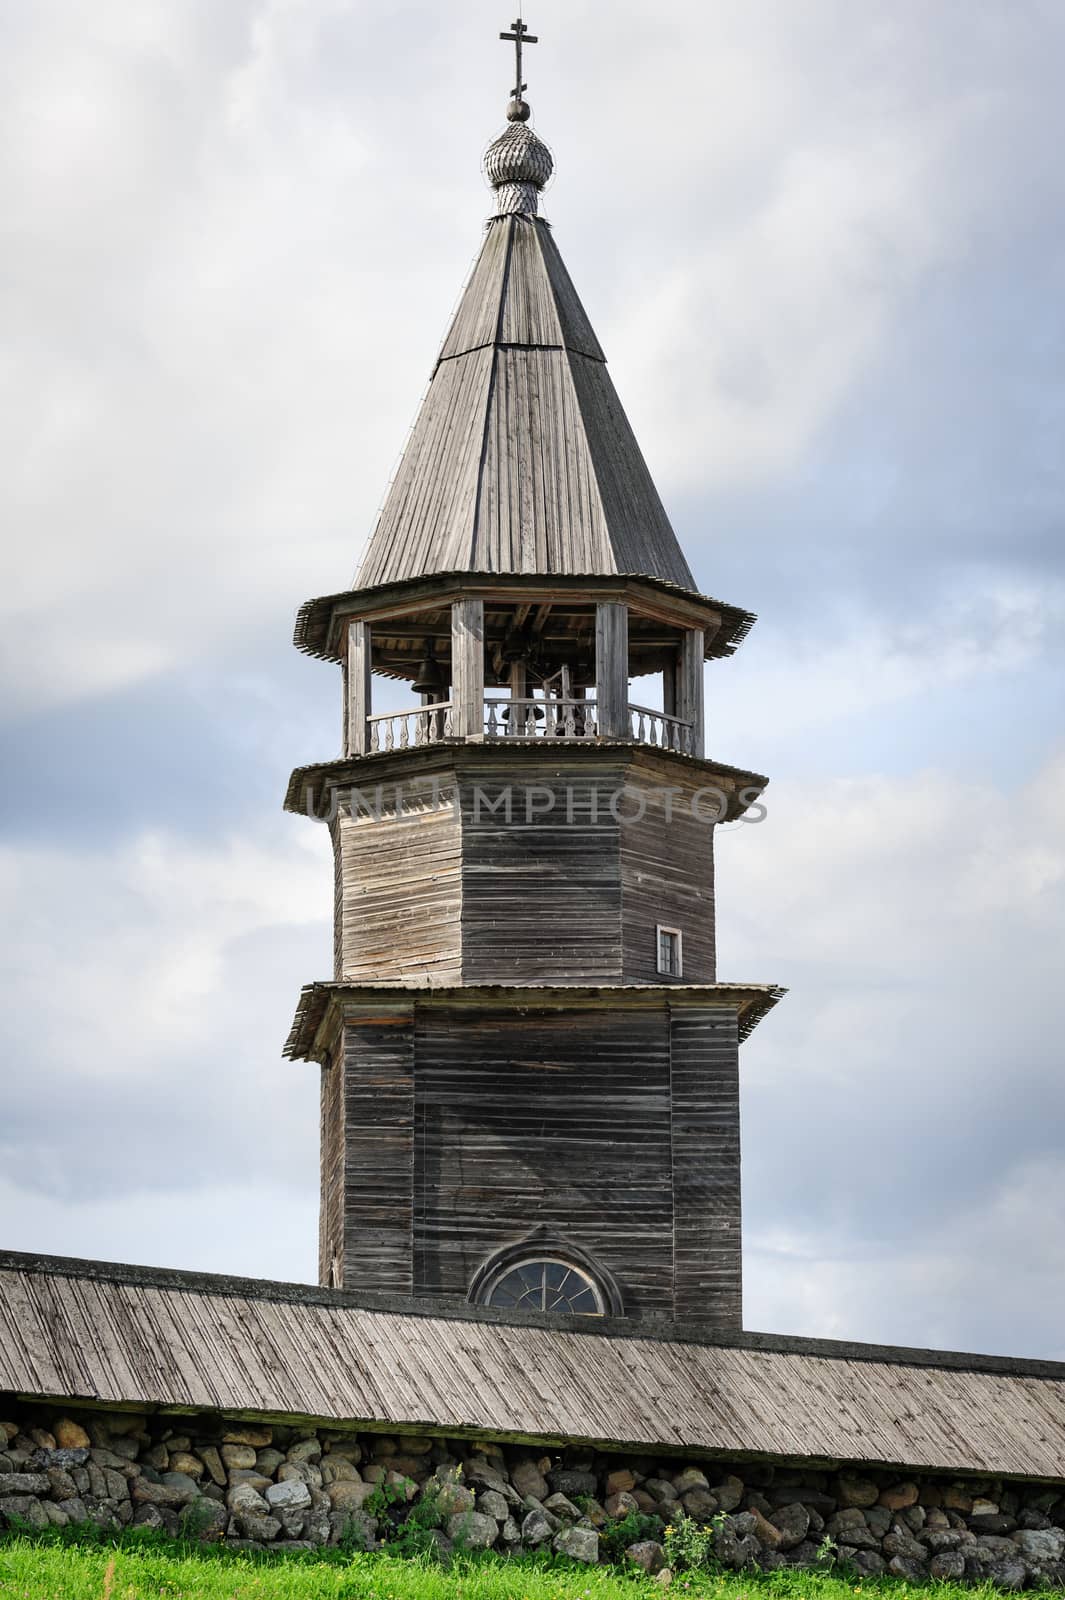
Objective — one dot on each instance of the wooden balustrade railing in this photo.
(507, 718)
(399, 730)
(659, 729)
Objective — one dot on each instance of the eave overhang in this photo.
(321, 623)
(322, 1007)
(311, 789)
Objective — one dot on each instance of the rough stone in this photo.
(528, 1479)
(291, 1495)
(661, 1489)
(305, 1471)
(765, 1531)
(877, 1520)
(1009, 1574)
(1041, 1546)
(849, 1527)
(700, 1504)
(305, 1450)
(914, 1571)
(690, 1478)
(948, 1566)
(620, 1505)
(454, 1498)
(647, 1554)
(238, 1455)
(899, 1496)
(243, 1498)
(562, 1507)
(353, 1524)
(184, 1461)
(349, 1495)
(900, 1542)
(160, 1494)
(26, 1483)
(580, 1544)
(866, 1562)
(729, 1493)
(257, 1436)
(171, 1480)
(537, 1528)
(735, 1550)
(620, 1481)
(472, 1530)
(333, 1469)
(70, 1435)
(571, 1481)
(213, 1462)
(792, 1524)
(252, 1476)
(493, 1504)
(24, 1508)
(855, 1491)
(261, 1529)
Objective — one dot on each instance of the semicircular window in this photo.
(544, 1284)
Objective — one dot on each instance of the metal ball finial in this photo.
(518, 110)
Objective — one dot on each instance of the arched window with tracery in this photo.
(544, 1274)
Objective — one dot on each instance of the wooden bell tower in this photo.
(530, 1089)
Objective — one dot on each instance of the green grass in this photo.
(34, 1570)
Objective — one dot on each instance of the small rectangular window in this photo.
(670, 959)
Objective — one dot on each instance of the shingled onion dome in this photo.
(518, 164)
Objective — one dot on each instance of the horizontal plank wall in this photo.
(399, 892)
(704, 1052)
(538, 1117)
(541, 892)
(667, 877)
(378, 1067)
(333, 1199)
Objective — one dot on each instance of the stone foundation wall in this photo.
(260, 1484)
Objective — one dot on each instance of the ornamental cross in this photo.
(519, 38)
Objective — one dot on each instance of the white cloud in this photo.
(902, 1106)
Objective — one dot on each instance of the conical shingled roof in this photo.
(522, 459)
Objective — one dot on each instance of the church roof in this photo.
(133, 1336)
(522, 459)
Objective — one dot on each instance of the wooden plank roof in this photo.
(113, 1335)
(522, 459)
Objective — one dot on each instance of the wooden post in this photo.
(690, 688)
(359, 694)
(467, 668)
(670, 686)
(612, 670)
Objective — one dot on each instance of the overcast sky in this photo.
(823, 245)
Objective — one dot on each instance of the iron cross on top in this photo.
(519, 37)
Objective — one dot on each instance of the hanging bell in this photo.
(430, 679)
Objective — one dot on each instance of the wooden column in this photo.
(612, 670)
(467, 668)
(358, 692)
(690, 688)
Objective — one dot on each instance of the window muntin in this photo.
(670, 952)
(545, 1284)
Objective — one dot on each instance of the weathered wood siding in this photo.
(705, 1137)
(332, 1145)
(400, 898)
(378, 1091)
(534, 1117)
(541, 893)
(667, 878)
